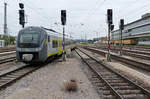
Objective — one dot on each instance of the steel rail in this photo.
(14, 75)
(142, 65)
(7, 53)
(10, 77)
(131, 51)
(100, 76)
(108, 67)
(5, 60)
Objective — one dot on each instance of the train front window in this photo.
(29, 38)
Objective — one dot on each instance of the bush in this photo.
(9, 40)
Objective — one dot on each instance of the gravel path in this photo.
(48, 83)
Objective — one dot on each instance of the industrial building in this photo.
(137, 32)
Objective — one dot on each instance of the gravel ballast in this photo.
(48, 83)
(133, 74)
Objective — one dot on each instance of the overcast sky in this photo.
(84, 17)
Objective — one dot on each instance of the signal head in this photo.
(122, 24)
(63, 17)
(21, 5)
(109, 16)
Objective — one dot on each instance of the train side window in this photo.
(48, 38)
(54, 43)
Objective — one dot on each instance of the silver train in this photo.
(37, 44)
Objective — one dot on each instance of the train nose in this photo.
(27, 57)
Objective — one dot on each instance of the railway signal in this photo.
(121, 26)
(63, 21)
(109, 16)
(63, 17)
(21, 5)
(110, 28)
(21, 15)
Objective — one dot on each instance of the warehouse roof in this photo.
(145, 16)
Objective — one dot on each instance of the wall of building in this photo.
(139, 27)
(137, 23)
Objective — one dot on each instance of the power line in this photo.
(47, 18)
(44, 18)
(98, 5)
(37, 11)
(95, 9)
(136, 10)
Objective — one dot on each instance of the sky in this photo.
(85, 18)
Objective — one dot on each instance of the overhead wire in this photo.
(98, 5)
(34, 9)
(130, 11)
(44, 16)
(136, 10)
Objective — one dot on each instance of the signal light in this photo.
(21, 14)
(122, 24)
(21, 5)
(63, 17)
(109, 16)
(21, 17)
(111, 27)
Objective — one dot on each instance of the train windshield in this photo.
(29, 40)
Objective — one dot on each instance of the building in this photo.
(139, 31)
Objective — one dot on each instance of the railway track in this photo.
(137, 51)
(129, 62)
(142, 56)
(9, 59)
(7, 49)
(111, 84)
(7, 53)
(133, 53)
(125, 47)
(10, 77)
(5, 59)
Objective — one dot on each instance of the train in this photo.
(125, 42)
(36, 44)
